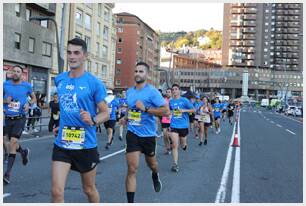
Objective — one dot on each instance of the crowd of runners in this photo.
(85, 105)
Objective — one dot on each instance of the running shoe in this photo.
(157, 185)
(25, 156)
(175, 168)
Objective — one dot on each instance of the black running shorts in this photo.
(180, 132)
(165, 125)
(82, 161)
(146, 145)
(110, 124)
(14, 127)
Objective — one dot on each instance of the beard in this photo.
(16, 78)
(139, 80)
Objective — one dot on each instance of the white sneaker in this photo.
(25, 132)
(219, 130)
(35, 130)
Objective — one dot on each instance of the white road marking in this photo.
(279, 125)
(236, 176)
(113, 154)
(37, 138)
(255, 111)
(290, 131)
(6, 195)
(268, 119)
(221, 194)
(272, 122)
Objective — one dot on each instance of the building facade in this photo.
(94, 23)
(266, 35)
(136, 41)
(29, 43)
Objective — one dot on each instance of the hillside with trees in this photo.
(178, 39)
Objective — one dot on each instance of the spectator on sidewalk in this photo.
(53, 107)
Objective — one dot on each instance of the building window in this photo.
(118, 71)
(98, 49)
(17, 9)
(88, 65)
(104, 70)
(120, 40)
(104, 51)
(31, 45)
(118, 82)
(17, 40)
(105, 33)
(78, 35)
(119, 29)
(87, 21)
(106, 14)
(44, 23)
(28, 14)
(99, 9)
(87, 40)
(79, 17)
(98, 28)
(97, 68)
(47, 47)
(119, 61)
(119, 50)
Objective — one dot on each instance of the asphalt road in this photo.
(270, 168)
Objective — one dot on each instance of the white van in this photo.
(264, 102)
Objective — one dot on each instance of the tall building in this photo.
(28, 43)
(266, 35)
(95, 23)
(136, 41)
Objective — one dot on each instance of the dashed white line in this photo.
(113, 154)
(272, 122)
(6, 195)
(290, 131)
(279, 125)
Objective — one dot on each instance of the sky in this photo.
(173, 17)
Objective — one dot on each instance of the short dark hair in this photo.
(168, 88)
(176, 85)
(143, 64)
(20, 67)
(79, 42)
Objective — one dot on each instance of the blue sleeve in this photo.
(157, 98)
(188, 104)
(100, 92)
(30, 89)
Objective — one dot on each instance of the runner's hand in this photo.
(55, 130)
(123, 121)
(86, 117)
(9, 99)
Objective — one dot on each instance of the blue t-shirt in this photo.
(224, 105)
(112, 109)
(142, 123)
(217, 109)
(123, 104)
(197, 105)
(74, 94)
(179, 120)
(19, 94)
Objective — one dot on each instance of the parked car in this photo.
(297, 112)
(291, 110)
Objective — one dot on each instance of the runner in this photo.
(144, 101)
(205, 112)
(224, 109)
(165, 122)
(53, 107)
(75, 147)
(180, 107)
(122, 112)
(113, 105)
(230, 111)
(217, 114)
(197, 104)
(192, 123)
(15, 107)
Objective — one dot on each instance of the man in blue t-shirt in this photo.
(144, 102)
(180, 108)
(80, 95)
(217, 107)
(122, 112)
(15, 106)
(113, 105)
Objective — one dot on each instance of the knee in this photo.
(57, 194)
(132, 170)
(89, 190)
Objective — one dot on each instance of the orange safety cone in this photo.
(235, 143)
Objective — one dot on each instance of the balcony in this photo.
(251, 37)
(250, 63)
(250, 5)
(250, 56)
(249, 23)
(250, 10)
(249, 30)
(249, 43)
(249, 17)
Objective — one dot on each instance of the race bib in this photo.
(134, 117)
(177, 113)
(14, 106)
(205, 118)
(217, 109)
(56, 116)
(73, 136)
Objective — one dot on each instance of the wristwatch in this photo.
(146, 109)
(93, 119)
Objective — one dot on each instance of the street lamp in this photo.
(60, 61)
